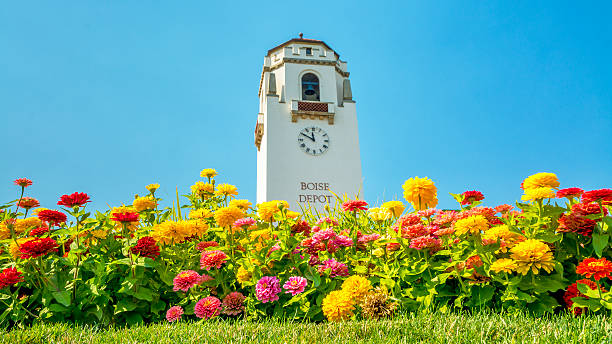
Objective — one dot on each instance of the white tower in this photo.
(306, 133)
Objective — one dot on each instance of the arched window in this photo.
(310, 87)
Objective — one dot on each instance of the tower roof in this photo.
(302, 40)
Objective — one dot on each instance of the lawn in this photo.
(408, 328)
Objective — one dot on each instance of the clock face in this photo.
(313, 140)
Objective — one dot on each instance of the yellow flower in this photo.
(131, 226)
(38, 210)
(226, 190)
(196, 227)
(395, 208)
(226, 216)
(541, 180)
(357, 286)
(208, 173)
(292, 214)
(170, 232)
(338, 305)
(378, 214)
(243, 204)
(144, 203)
(200, 214)
(538, 194)
(503, 264)
(243, 275)
(5, 232)
(22, 225)
(14, 249)
(421, 192)
(502, 233)
(266, 210)
(202, 190)
(533, 255)
(96, 233)
(152, 187)
(472, 224)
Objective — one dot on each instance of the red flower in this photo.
(37, 247)
(10, 277)
(503, 208)
(23, 182)
(146, 247)
(572, 292)
(212, 259)
(233, 303)
(125, 217)
(355, 205)
(39, 231)
(414, 231)
(185, 280)
(576, 224)
(470, 197)
(301, 227)
(174, 313)
(596, 268)
(77, 199)
(207, 307)
(53, 217)
(570, 193)
(584, 209)
(28, 203)
(602, 195)
(205, 244)
(393, 246)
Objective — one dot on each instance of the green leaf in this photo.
(63, 297)
(481, 295)
(548, 283)
(57, 308)
(144, 294)
(133, 318)
(592, 304)
(600, 242)
(124, 306)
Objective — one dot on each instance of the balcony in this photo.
(312, 110)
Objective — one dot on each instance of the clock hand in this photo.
(312, 138)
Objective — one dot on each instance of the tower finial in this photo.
(301, 35)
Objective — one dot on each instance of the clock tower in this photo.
(306, 132)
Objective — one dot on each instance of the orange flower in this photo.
(596, 268)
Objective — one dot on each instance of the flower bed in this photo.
(218, 256)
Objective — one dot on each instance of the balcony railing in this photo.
(312, 110)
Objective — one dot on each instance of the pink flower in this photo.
(323, 235)
(344, 241)
(427, 212)
(212, 259)
(328, 221)
(267, 289)
(233, 303)
(207, 307)
(185, 280)
(247, 221)
(425, 242)
(354, 205)
(364, 239)
(205, 278)
(295, 285)
(174, 313)
(334, 267)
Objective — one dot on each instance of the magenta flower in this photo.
(247, 221)
(185, 280)
(295, 285)
(324, 235)
(267, 289)
(174, 313)
(207, 307)
(425, 242)
(334, 267)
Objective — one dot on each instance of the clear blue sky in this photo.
(105, 97)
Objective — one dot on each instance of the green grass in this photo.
(409, 328)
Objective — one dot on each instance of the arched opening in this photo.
(310, 87)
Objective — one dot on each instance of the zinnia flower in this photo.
(28, 203)
(174, 313)
(376, 304)
(595, 268)
(536, 194)
(338, 305)
(226, 190)
(185, 280)
(426, 242)
(584, 209)
(208, 173)
(53, 217)
(378, 214)
(470, 197)
(146, 247)
(243, 275)
(533, 255)
(503, 208)
(576, 224)
(233, 303)
(242, 204)
(503, 264)
(212, 259)
(9, 277)
(334, 268)
(301, 227)
(125, 217)
(170, 232)
(38, 231)
(395, 208)
(267, 289)
(144, 203)
(473, 224)
(295, 285)
(420, 192)
(200, 214)
(202, 190)
(77, 199)
(357, 287)
(201, 246)
(37, 247)
(266, 210)
(22, 225)
(570, 193)
(354, 205)
(247, 221)
(207, 307)
(152, 187)
(603, 195)
(572, 292)
(226, 216)
(541, 180)
(23, 182)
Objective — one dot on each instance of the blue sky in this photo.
(105, 97)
